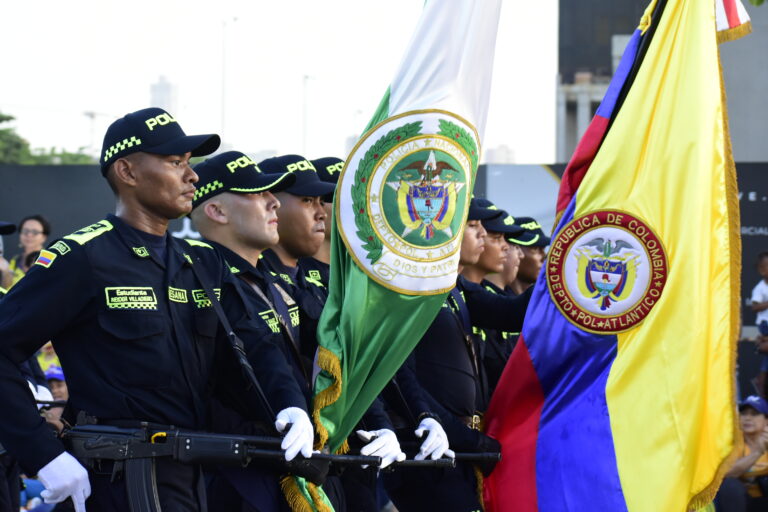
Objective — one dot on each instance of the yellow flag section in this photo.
(667, 160)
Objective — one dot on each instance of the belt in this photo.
(474, 422)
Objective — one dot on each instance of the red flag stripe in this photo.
(732, 13)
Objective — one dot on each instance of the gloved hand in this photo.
(436, 443)
(381, 443)
(301, 435)
(40, 393)
(64, 477)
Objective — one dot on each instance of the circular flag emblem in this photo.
(606, 270)
(403, 197)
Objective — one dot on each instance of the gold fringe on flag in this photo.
(707, 495)
(294, 496)
(731, 34)
(329, 362)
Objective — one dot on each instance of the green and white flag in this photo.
(400, 211)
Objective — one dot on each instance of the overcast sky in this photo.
(61, 59)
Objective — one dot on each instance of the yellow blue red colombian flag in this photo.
(619, 395)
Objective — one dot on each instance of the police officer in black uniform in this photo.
(302, 221)
(532, 241)
(125, 307)
(318, 267)
(239, 218)
(495, 346)
(447, 367)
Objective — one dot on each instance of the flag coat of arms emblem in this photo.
(409, 181)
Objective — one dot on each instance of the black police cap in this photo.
(482, 209)
(533, 236)
(233, 171)
(152, 130)
(328, 168)
(308, 183)
(504, 223)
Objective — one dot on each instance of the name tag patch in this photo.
(131, 297)
(177, 295)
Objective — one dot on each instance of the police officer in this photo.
(494, 346)
(301, 227)
(532, 242)
(239, 218)
(448, 368)
(126, 308)
(318, 266)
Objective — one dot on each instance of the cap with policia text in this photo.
(152, 130)
(483, 209)
(308, 183)
(328, 168)
(233, 171)
(532, 236)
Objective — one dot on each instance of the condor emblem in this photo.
(405, 191)
(606, 270)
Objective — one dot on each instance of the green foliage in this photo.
(756, 2)
(362, 176)
(14, 149)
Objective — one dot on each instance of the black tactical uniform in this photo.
(498, 344)
(139, 340)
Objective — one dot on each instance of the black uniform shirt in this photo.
(316, 271)
(274, 290)
(136, 335)
(311, 295)
(497, 344)
(442, 359)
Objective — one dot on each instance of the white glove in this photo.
(381, 443)
(40, 393)
(300, 437)
(436, 443)
(64, 477)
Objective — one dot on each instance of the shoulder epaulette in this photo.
(82, 236)
(197, 243)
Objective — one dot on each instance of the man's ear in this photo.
(124, 171)
(216, 212)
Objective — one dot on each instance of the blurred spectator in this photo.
(759, 304)
(33, 232)
(6, 228)
(745, 488)
(58, 386)
(47, 357)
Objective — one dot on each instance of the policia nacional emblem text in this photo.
(409, 181)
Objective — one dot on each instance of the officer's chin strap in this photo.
(235, 342)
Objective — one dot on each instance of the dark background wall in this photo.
(586, 28)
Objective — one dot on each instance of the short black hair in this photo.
(39, 218)
(762, 256)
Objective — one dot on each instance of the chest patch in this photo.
(130, 297)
